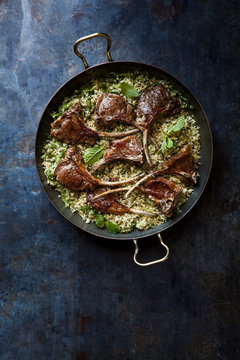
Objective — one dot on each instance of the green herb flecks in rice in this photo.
(55, 150)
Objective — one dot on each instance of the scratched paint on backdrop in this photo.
(67, 295)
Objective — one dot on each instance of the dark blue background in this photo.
(68, 295)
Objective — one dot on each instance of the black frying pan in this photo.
(102, 70)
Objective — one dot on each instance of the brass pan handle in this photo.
(151, 262)
(75, 48)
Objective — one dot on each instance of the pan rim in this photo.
(210, 163)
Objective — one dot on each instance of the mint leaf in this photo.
(112, 228)
(128, 90)
(170, 129)
(87, 208)
(100, 220)
(180, 123)
(164, 144)
(93, 154)
(104, 87)
(178, 126)
(169, 143)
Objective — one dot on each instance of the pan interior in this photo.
(103, 70)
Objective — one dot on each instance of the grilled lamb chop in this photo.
(163, 192)
(128, 149)
(109, 204)
(111, 108)
(180, 165)
(71, 172)
(71, 129)
(154, 103)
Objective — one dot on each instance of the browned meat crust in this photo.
(109, 204)
(71, 129)
(155, 102)
(72, 173)
(111, 108)
(106, 203)
(129, 149)
(180, 165)
(163, 192)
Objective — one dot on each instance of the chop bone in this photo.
(128, 149)
(109, 204)
(71, 129)
(71, 172)
(180, 165)
(163, 192)
(111, 108)
(154, 103)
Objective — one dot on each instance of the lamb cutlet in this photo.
(111, 108)
(154, 103)
(71, 172)
(71, 129)
(128, 149)
(163, 192)
(109, 204)
(180, 165)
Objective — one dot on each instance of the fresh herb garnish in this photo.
(164, 145)
(167, 141)
(93, 154)
(90, 211)
(178, 126)
(112, 228)
(104, 88)
(128, 90)
(100, 220)
(65, 106)
(86, 207)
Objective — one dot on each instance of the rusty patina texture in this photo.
(67, 295)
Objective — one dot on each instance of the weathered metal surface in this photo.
(67, 295)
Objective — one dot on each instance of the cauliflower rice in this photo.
(55, 150)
